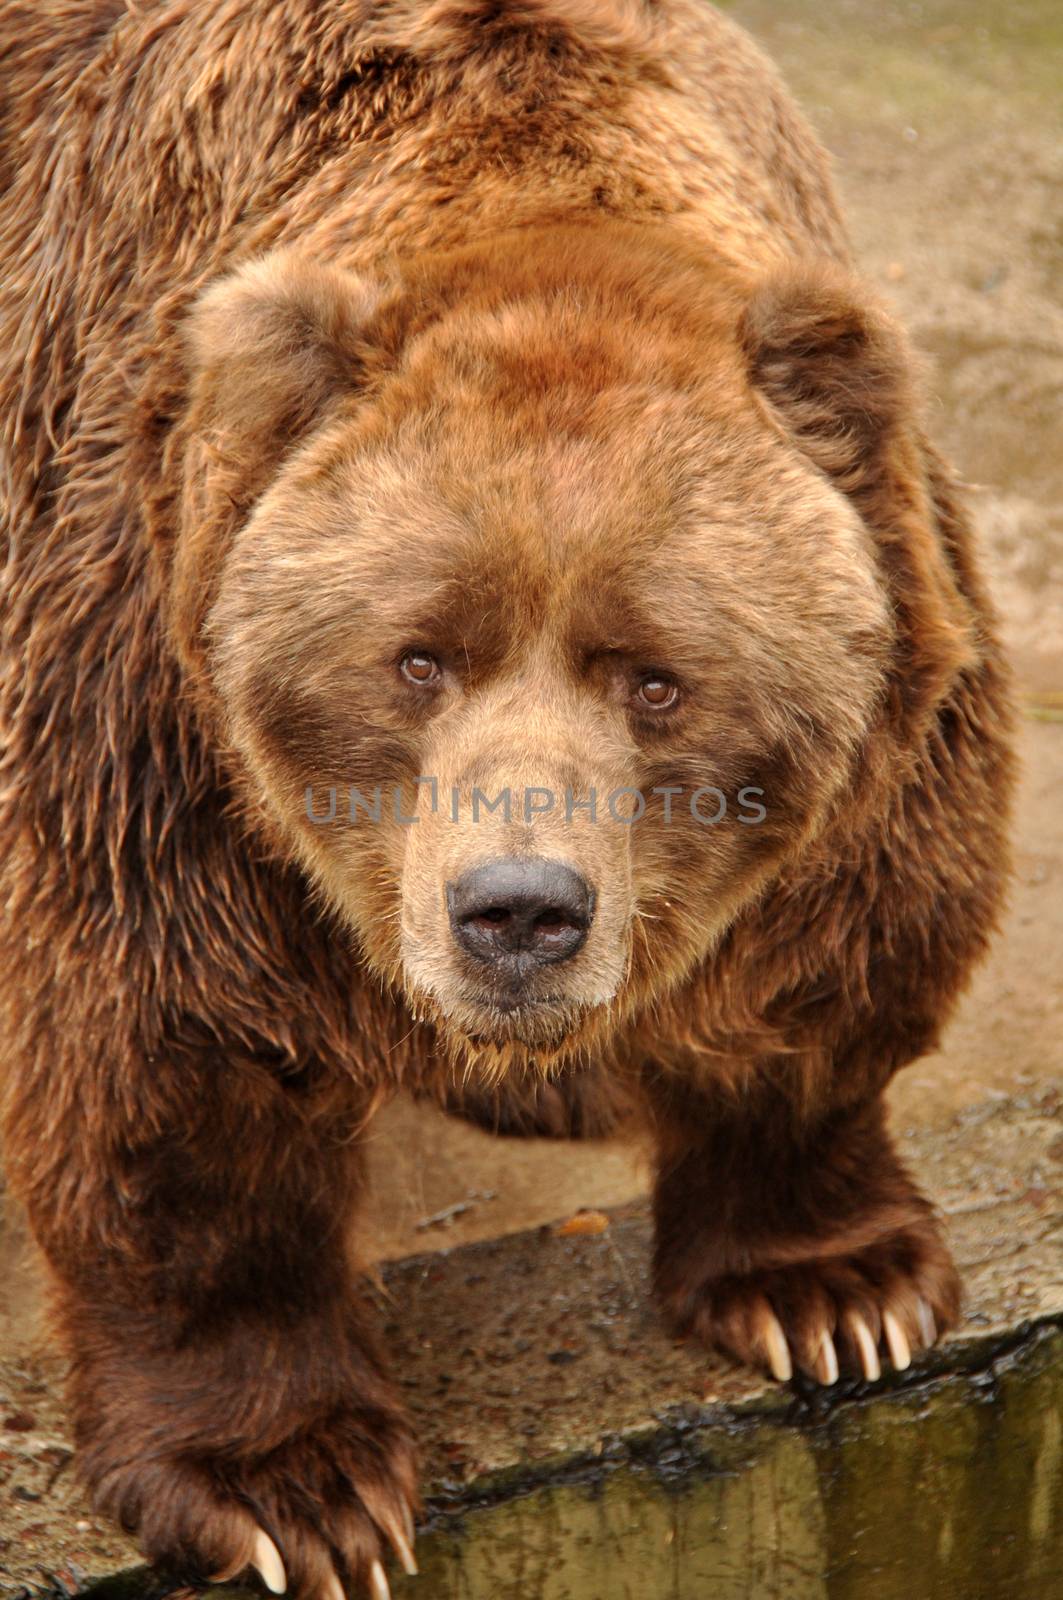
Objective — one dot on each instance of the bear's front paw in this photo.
(825, 1314)
(313, 1514)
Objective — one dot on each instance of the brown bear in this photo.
(479, 605)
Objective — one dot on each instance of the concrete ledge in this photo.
(945, 1487)
(574, 1452)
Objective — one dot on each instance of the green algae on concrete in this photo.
(945, 1489)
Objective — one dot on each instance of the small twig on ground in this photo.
(443, 1219)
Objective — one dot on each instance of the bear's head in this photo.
(545, 593)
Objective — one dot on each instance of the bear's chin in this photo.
(491, 1041)
(546, 1023)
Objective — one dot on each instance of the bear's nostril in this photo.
(492, 914)
(513, 910)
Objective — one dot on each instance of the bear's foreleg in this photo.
(791, 1245)
(226, 1395)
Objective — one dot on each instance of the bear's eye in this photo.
(420, 668)
(657, 692)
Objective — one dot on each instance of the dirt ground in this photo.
(945, 121)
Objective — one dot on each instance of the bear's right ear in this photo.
(268, 349)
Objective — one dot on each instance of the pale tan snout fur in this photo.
(523, 773)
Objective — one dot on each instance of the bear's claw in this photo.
(402, 1542)
(826, 1368)
(777, 1348)
(267, 1562)
(866, 1347)
(851, 1313)
(927, 1326)
(827, 1362)
(896, 1342)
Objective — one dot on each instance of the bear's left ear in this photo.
(833, 367)
(835, 374)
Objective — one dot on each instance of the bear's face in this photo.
(542, 648)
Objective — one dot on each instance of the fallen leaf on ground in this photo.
(582, 1222)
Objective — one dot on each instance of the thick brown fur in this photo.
(522, 332)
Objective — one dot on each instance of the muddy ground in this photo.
(945, 121)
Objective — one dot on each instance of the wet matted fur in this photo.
(521, 334)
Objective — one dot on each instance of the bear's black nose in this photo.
(520, 913)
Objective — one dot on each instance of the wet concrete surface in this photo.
(547, 1394)
(574, 1452)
